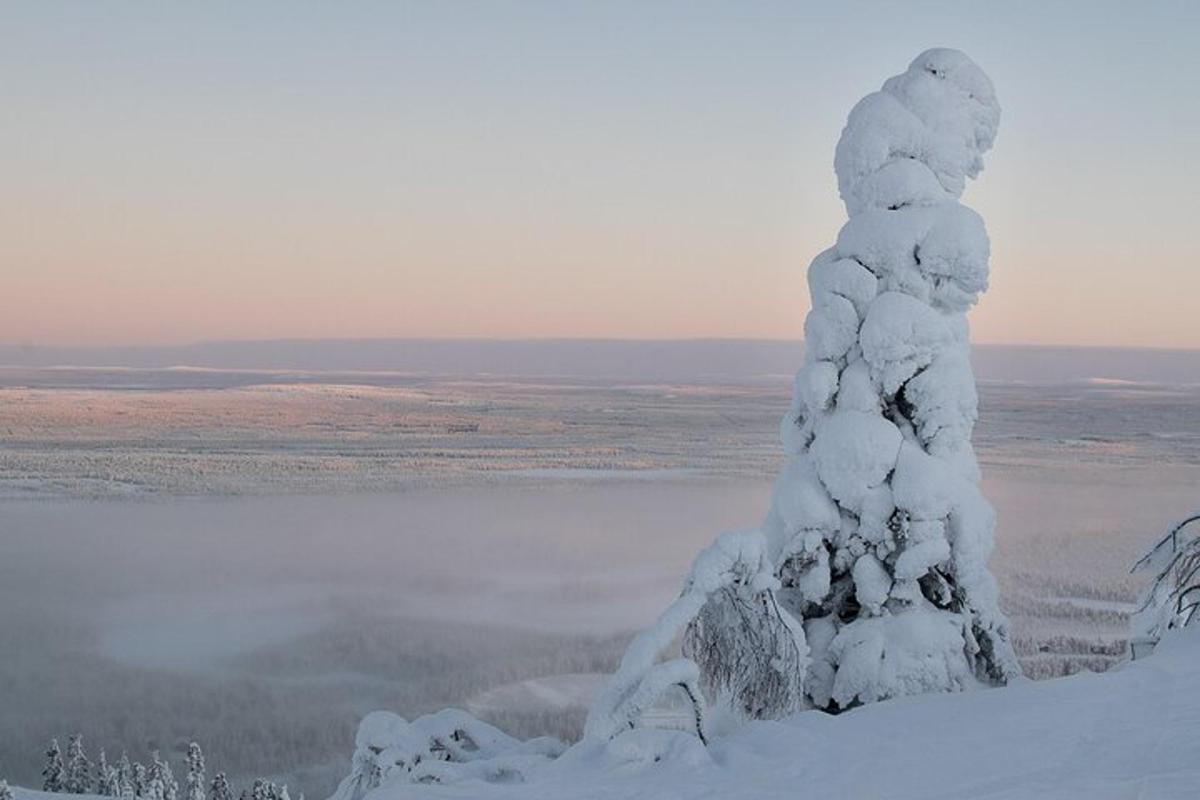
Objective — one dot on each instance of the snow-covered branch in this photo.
(444, 747)
(1173, 596)
(751, 654)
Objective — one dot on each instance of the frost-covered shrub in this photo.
(877, 523)
(444, 747)
(751, 653)
(1173, 596)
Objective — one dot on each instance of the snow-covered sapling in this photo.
(79, 768)
(141, 780)
(54, 773)
(219, 790)
(170, 785)
(160, 780)
(195, 788)
(108, 779)
(125, 777)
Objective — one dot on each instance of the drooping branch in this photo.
(1172, 598)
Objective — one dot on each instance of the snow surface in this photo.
(1129, 733)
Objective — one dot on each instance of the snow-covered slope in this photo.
(30, 794)
(1130, 733)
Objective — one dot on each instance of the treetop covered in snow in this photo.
(918, 139)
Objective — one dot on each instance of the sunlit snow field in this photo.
(260, 558)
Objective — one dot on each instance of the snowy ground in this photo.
(1129, 734)
(512, 533)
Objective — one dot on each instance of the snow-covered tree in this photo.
(160, 780)
(125, 777)
(170, 785)
(219, 790)
(5, 791)
(196, 780)
(108, 778)
(141, 780)
(78, 778)
(54, 773)
(871, 579)
(878, 527)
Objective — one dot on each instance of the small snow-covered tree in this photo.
(219, 789)
(54, 773)
(125, 777)
(141, 780)
(6, 792)
(170, 785)
(196, 779)
(78, 778)
(160, 780)
(108, 778)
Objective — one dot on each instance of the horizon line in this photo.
(26, 347)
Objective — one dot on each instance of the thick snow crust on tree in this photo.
(1123, 734)
(878, 527)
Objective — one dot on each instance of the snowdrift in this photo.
(1129, 733)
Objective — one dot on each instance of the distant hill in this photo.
(691, 360)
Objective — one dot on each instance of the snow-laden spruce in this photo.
(868, 579)
(878, 527)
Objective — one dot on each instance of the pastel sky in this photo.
(172, 172)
